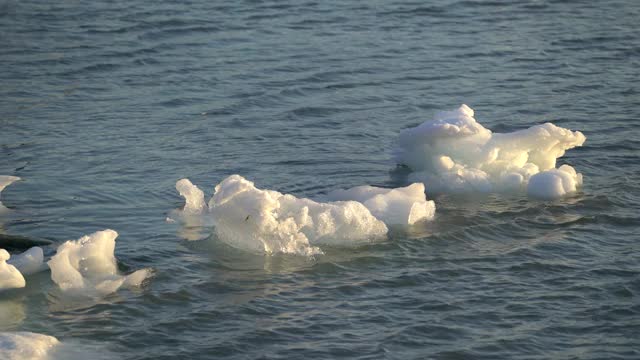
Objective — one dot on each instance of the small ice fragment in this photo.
(25, 345)
(453, 153)
(5, 181)
(88, 265)
(10, 277)
(30, 261)
(400, 206)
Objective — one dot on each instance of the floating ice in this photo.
(30, 261)
(4, 182)
(10, 277)
(454, 153)
(267, 221)
(25, 345)
(88, 266)
(400, 206)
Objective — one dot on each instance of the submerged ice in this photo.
(454, 153)
(271, 222)
(87, 266)
(26, 345)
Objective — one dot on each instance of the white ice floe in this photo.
(455, 154)
(10, 277)
(30, 261)
(267, 221)
(26, 346)
(400, 206)
(4, 182)
(87, 266)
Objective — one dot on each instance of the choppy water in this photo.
(105, 104)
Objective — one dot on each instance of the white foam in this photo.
(455, 154)
(10, 277)
(4, 182)
(267, 221)
(26, 345)
(30, 261)
(400, 206)
(88, 266)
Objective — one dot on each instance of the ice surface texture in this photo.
(267, 221)
(87, 266)
(455, 154)
(25, 345)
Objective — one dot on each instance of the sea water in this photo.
(104, 106)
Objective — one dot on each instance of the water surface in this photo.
(105, 104)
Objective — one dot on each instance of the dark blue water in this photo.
(105, 104)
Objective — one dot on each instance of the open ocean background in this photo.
(105, 104)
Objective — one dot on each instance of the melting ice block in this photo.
(10, 277)
(4, 182)
(454, 153)
(267, 221)
(25, 345)
(30, 261)
(88, 266)
(400, 206)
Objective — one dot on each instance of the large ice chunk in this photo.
(400, 206)
(10, 277)
(88, 266)
(267, 221)
(454, 153)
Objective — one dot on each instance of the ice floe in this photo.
(268, 221)
(453, 153)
